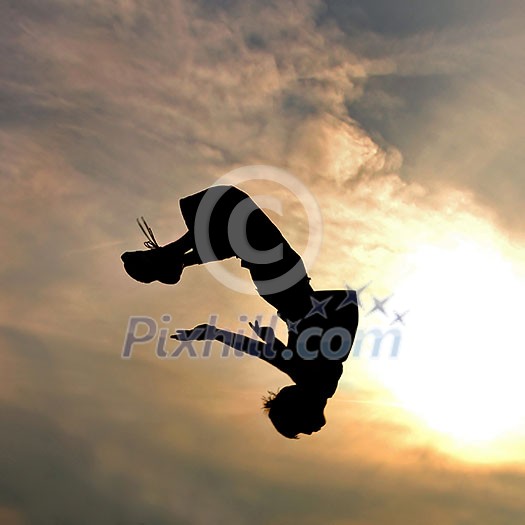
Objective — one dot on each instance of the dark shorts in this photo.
(207, 215)
(225, 222)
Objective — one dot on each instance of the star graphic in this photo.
(292, 326)
(399, 317)
(353, 296)
(318, 307)
(379, 305)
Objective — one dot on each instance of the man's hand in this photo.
(198, 333)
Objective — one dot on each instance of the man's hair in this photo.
(275, 406)
(288, 411)
(268, 400)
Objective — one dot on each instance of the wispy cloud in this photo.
(109, 110)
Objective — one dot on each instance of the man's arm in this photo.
(269, 350)
(206, 332)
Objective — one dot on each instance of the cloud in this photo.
(449, 103)
(127, 451)
(339, 151)
(402, 127)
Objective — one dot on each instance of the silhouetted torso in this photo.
(311, 366)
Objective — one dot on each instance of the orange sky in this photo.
(402, 121)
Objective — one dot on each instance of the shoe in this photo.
(158, 264)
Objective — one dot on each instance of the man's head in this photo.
(294, 410)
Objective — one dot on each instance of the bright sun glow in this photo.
(460, 367)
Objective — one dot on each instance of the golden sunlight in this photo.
(461, 360)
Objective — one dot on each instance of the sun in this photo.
(462, 356)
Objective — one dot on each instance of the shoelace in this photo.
(151, 243)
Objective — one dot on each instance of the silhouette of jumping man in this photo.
(224, 222)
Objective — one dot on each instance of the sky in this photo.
(401, 120)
